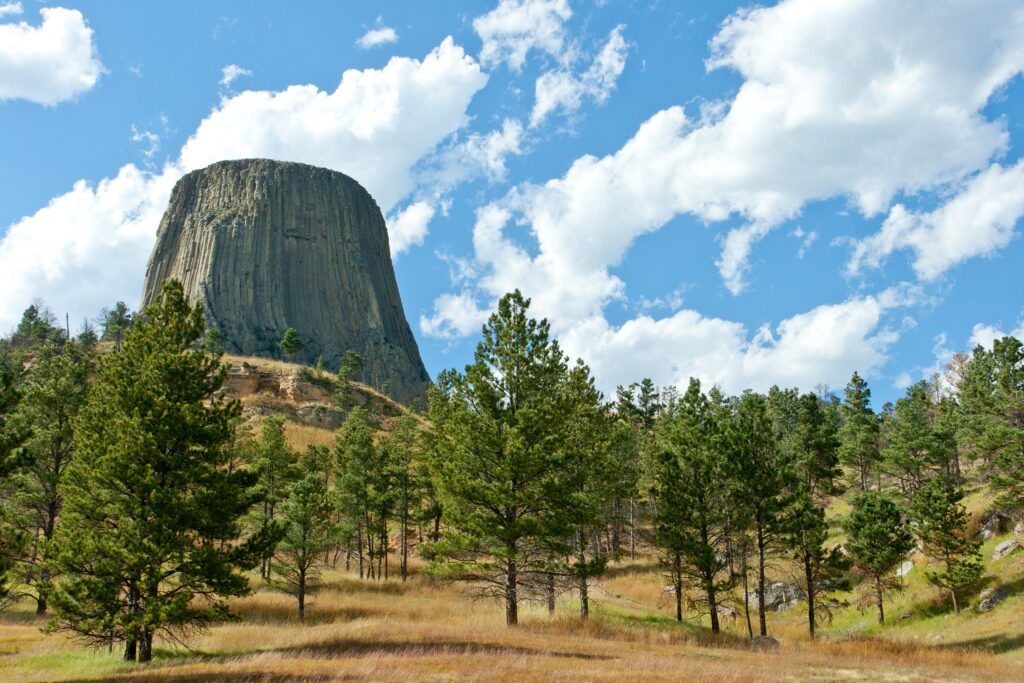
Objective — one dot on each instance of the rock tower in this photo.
(266, 245)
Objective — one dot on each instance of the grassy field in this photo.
(422, 631)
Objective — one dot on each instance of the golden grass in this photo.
(423, 631)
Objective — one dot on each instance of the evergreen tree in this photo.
(13, 539)
(501, 479)
(214, 341)
(291, 342)
(38, 325)
(759, 478)
(878, 541)
(116, 322)
(53, 392)
(940, 521)
(821, 570)
(274, 464)
(362, 485)
(859, 433)
(404, 449)
(307, 532)
(148, 537)
(915, 450)
(692, 503)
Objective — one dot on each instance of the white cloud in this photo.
(381, 35)
(515, 27)
(984, 335)
(454, 316)
(374, 127)
(231, 72)
(562, 91)
(10, 8)
(49, 63)
(409, 227)
(488, 152)
(88, 248)
(978, 221)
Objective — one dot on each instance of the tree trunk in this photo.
(956, 603)
(551, 586)
(511, 598)
(677, 581)
(632, 528)
(878, 593)
(302, 596)
(405, 535)
(809, 583)
(761, 617)
(130, 653)
(582, 562)
(746, 596)
(713, 605)
(146, 646)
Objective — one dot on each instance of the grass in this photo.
(423, 631)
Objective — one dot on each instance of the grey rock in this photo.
(321, 415)
(266, 245)
(991, 525)
(1018, 528)
(764, 643)
(994, 597)
(1004, 549)
(778, 596)
(905, 568)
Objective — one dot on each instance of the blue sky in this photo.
(780, 194)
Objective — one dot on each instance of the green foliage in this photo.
(940, 521)
(878, 540)
(859, 433)
(38, 325)
(213, 341)
(116, 322)
(13, 538)
(54, 391)
(692, 520)
(274, 464)
(148, 541)
(916, 449)
(291, 342)
(502, 475)
(307, 532)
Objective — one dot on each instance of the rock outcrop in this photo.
(266, 245)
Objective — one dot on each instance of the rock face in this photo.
(266, 245)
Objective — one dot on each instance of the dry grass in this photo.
(422, 631)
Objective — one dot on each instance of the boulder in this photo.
(1005, 548)
(243, 379)
(778, 596)
(905, 568)
(1018, 528)
(267, 245)
(992, 597)
(297, 388)
(321, 415)
(764, 643)
(991, 525)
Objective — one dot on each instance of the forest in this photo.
(136, 503)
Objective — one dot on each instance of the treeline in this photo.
(135, 501)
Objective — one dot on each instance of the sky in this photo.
(747, 194)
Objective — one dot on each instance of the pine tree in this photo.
(274, 464)
(878, 541)
(364, 495)
(291, 342)
(915, 449)
(307, 532)
(54, 391)
(692, 502)
(148, 538)
(116, 322)
(821, 570)
(940, 521)
(404, 453)
(759, 479)
(859, 433)
(501, 478)
(13, 539)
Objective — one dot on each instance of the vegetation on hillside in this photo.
(135, 503)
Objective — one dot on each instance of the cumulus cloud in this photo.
(978, 221)
(515, 27)
(381, 35)
(454, 316)
(49, 63)
(374, 126)
(562, 91)
(231, 72)
(88, 248)
(983, 334)
(409, 228)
